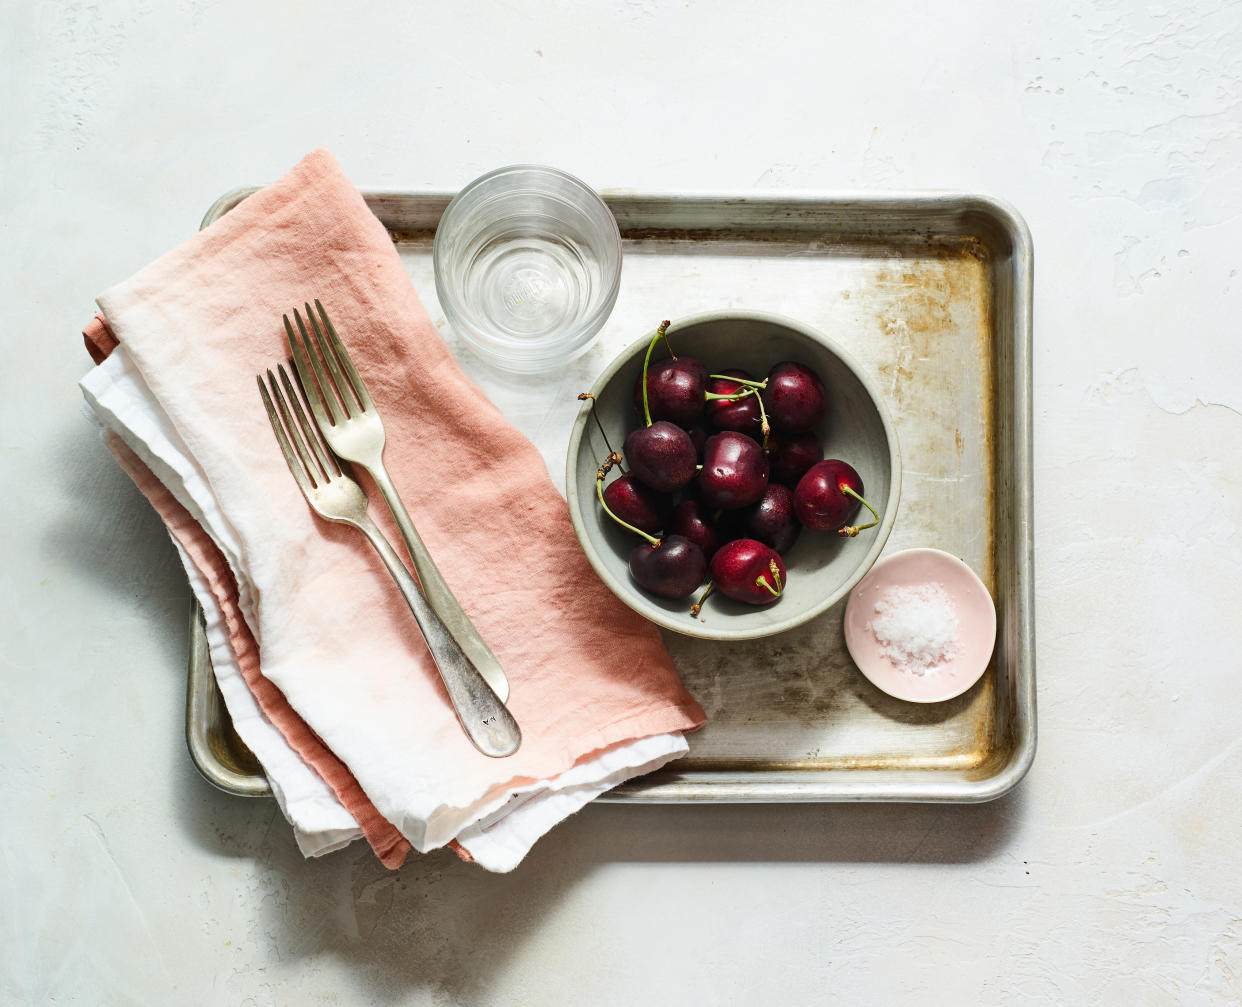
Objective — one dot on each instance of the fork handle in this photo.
(483, 716)
(437, 591)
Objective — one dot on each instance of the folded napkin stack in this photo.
(321, 665)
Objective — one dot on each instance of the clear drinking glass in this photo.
(528, 263)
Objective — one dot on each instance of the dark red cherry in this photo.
(735, 471)
(820, 500)
(639, 505)
(740, 414)
(772, 520)
(790, 455)
(662, 456)
(795, 398)
(673, 568)
(692, 520)
(675, 390)
(748, 571)
(698, 436)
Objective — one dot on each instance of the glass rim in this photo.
(524, 166)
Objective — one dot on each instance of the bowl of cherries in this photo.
(732, 475)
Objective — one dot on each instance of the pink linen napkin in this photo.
(334, 640)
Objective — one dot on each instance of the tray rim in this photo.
(668, 786)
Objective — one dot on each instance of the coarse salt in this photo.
(916, 627)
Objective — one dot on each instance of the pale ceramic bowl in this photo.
(822, 567)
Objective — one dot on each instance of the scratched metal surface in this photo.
(931, 295)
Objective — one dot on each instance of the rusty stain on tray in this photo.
(917, 308)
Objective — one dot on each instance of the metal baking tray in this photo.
(931, 294)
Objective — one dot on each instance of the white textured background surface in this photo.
(1110, 876)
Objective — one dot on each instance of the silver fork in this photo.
(335, 496)
(349, 422)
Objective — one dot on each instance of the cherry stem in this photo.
(762, 581)
(599, 492)
(647, 363)
(849, 531)
(583, 397)
(697, 607)
(662, 332)
(613, 460)
(763, 421)
(741, 381)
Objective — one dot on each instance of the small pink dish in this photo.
(976, 628)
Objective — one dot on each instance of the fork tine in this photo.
(327, 466)
(355, 380)
(319, 394)
(303, 452)
(348, 397)
(295, 466)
